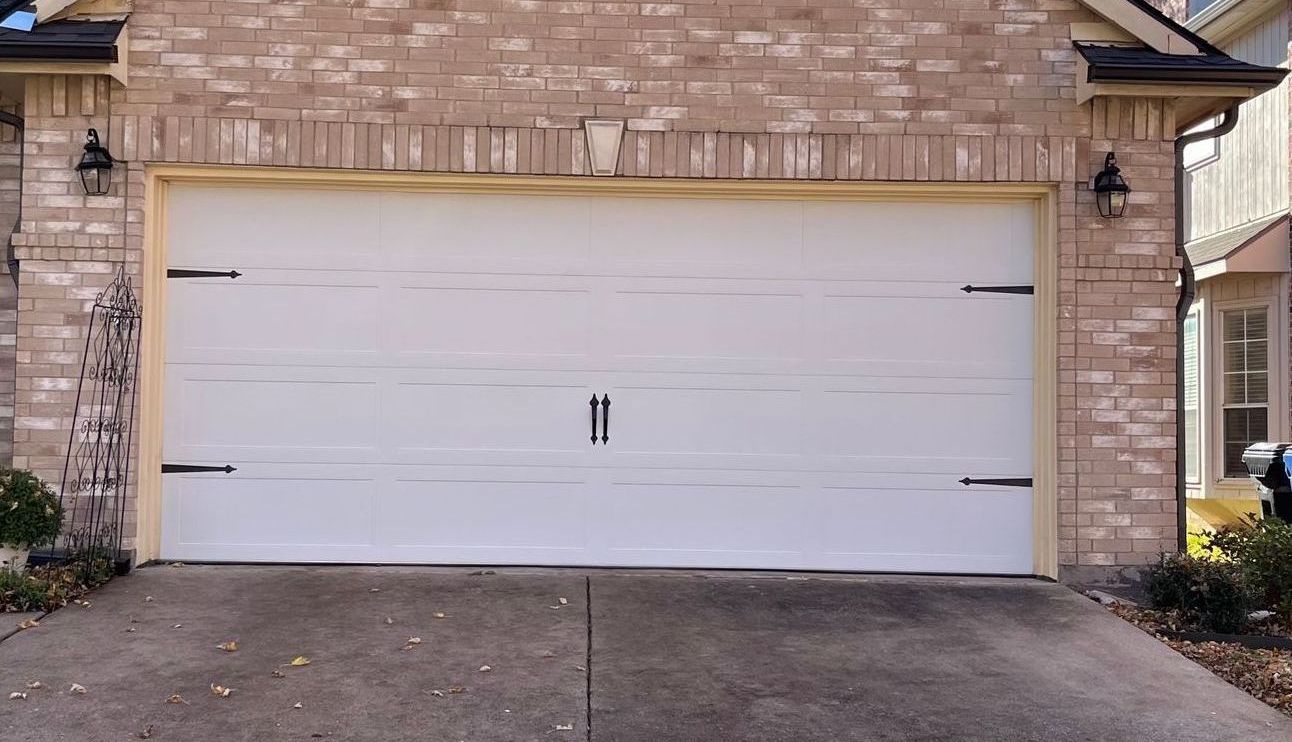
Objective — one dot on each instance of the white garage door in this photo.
(407, 377)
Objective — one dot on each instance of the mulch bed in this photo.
(1264, 673)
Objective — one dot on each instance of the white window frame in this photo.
(1196, 315)
(1276, 349)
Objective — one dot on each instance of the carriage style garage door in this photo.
(410, 377)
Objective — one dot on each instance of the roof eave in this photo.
(60, 52)
(1265, 78)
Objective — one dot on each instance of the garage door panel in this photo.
(933, 428)
(704, 324)
(486, 510)
(312, 318)
(493, 321)
(212, 510)
(897, 241)
(696, 236)
(327, 415)
(903, 526)
(701, 421)
(667, 522)
(929, 331)
(420, 230)
(290, 229)
(494, 417)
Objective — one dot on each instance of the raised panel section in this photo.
(690, 420)
(502, 416)
(929, 426)
(309, 317)
(754, 236)
(953, 242)
(422, 229)
(928, 331)
(646, 324)
(270, 228)
(285, 414)
(244, 510)
(493, 321)
(492, 514)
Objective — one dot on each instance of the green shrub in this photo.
(1215, 594)
(1263, 551)
(29, 511)
(51, 586)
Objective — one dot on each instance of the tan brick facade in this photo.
(899, 90)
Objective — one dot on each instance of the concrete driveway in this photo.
(607, 656)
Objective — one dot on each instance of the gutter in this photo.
(54, 52)
(1188, 291)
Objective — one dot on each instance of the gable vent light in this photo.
(1111, 189)
(95, 166)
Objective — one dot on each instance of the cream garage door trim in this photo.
(160, 178)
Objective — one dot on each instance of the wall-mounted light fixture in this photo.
(1111, 189)
(95, 166)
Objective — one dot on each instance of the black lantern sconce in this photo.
(1111, 190)
(95, 166)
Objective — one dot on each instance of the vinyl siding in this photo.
(1250, 178)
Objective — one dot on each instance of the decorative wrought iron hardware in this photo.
(195, 468)
(1007, 482)
(969, 289)
(593, 404)
(605, 418)
(186, 273)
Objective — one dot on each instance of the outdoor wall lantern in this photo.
(1111, 189)
(95, 166)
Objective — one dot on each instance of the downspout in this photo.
(1188, 291)
(17, 123)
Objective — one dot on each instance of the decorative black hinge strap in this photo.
(192, 468)
(593, 403)
(186, 273)
(1008, 482)
(997, 289)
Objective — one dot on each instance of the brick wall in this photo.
(888, 90)
(10, 181)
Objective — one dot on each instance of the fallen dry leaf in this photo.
(78, 689)
(438, 614)
(175, 698)
(229, 646)
(219, 691)
(17, 696)
(485, 668)
(299, 661)
(565, 727)
(29, 623)
(298, 705)
(437, 693)
(547, 654)
(178, 626)
(374, 589)
(148, 598)
(278, 674)
(456, 689)
(563, 601)
(146, 733)
(35, 685)
(580, 668)
(389, 621)
(177, 565)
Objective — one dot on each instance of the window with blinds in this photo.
(1192, 402)
(1246, 380)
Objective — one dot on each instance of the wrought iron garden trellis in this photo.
(96, 472)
